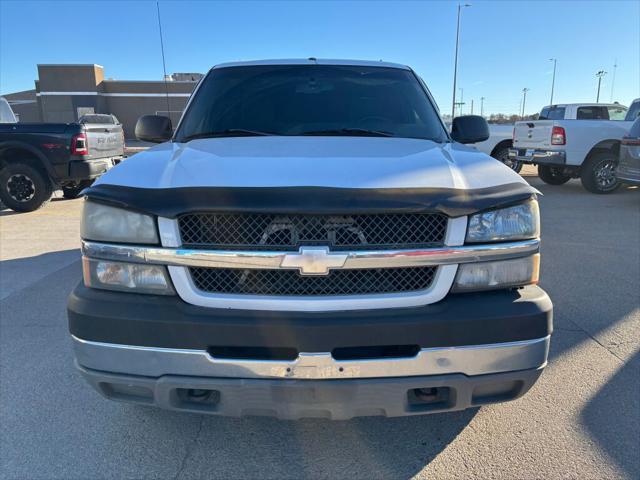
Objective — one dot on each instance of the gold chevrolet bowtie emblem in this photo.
(314, 260)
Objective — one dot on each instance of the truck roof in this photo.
(585, 105)
(314, 61)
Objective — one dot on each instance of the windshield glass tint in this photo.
(303, 99)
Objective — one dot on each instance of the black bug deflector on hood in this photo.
(171, 202)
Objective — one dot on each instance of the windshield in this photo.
(6, 114)
(634, 111)
(311, 100)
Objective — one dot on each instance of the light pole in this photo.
(482, 106)
(472, 106)
(613, 79)
(599, 74)
(455, 63)
(553, 80)
(524, 100)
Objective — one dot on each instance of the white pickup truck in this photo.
(498, 144)
(311, 241)
(574, 141)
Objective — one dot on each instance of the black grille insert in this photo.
(290, 282)
(383, 351)
(254, 353)
(286, 232)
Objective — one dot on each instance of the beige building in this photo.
(63, 93)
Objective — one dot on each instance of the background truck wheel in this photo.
(24, 188)
(552, 175)
(503, 156)
(599, 173)
(71, 190)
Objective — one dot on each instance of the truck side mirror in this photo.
(154, 128)
(469, 129)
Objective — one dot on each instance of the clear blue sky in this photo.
(504, 45)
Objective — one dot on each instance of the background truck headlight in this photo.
(519, 222)
(126, 277)
(104, 223)
(501, 274)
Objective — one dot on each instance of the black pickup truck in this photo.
(37, 158)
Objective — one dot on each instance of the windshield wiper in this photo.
(348, 132)
(229, 132)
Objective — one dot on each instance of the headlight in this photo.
(501, 274)
(126, 277)
(103, 223)
(513, 223)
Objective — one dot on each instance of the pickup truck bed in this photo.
(565, 149)
(35, 158)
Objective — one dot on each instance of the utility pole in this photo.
(553, 80)
(482, 106)
(472, 106)
(613, 79)
(524, 100)
(461, 102)
(599, 74)
(164, 65)
(455, 63)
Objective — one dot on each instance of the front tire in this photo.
(24, 188)
(552, 175)
(502, 155)
(598, 173)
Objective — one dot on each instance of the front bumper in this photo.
(473, 348)
(333, 399)
(538, 156)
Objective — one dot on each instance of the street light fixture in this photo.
(553, 80)
(599, 74)
(455, 63)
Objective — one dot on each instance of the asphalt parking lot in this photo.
(581, 420)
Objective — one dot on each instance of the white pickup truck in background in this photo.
(574, 141)
(498, 144)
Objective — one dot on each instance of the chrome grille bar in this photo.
(256, 259)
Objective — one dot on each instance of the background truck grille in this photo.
(290, 282)
(288, 232)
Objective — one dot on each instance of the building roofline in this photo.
(150, 81)
(68, 65)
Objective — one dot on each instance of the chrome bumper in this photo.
(468, 360)
(526, 155)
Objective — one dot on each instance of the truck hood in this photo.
(337, 162)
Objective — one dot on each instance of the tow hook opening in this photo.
(197, 398)
(430, 398)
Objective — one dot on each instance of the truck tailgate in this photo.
(104, 140)
(534, 134)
